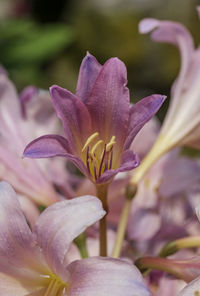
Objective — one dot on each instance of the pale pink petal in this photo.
(192, 289)
(11, 287)
(19, 257)
(29, 209)
(60, 223)
(105, 277)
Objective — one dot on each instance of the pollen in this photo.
(99, 155)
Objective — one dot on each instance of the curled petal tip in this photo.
(198, 10)
(147, 25)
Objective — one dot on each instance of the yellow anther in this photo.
(89, 140)
(110, 144)
(95, 146)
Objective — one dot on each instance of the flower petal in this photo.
(108, 103)
(20, 258)
(105, 276)
(140, 113)
(11, 287)
(171, 32)
(60, 223)
(50, 146)
(73, 114)
(191, 288)
(129, 161)
(47, 146)
(88, 73)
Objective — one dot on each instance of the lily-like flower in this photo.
(98, 121)
(182, 122)
(35, 263)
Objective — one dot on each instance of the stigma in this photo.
(99, 155)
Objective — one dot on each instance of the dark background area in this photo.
(42, 42)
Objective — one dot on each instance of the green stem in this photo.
(182, 243)
(130, 193)
(102, 192)
(80, 242)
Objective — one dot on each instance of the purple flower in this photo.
(36, 263)
(98, 121)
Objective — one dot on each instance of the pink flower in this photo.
(35, 263)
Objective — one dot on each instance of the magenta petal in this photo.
(88, 73)
(108, 103)
(129, 161)
(141, 113)
(105, 276)
(50, 146)
(73, 114)
(60, 223)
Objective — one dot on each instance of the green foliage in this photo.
(26, 46)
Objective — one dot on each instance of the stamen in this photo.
(102, 159)
(55, 288)
(95, 172)
(111, 158)
(88, 159)
(89, 140)
(99, 155)
(95, 146)
(110, 144)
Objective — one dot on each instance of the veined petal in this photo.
(74, 116)
(129, 161)
(193, 288)
(105, 276)
(20, 257)
(47, 146)
(60, 223)
(175, 33)
(11, 287)
(88, 73)
(140, 113)
(108, 103)
(50, 146)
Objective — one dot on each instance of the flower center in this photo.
(56, 287)
(99, 155)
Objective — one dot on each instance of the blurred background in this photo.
(42, 42)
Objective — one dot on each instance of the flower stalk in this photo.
(130, 193)
(183, 243)
(102, 193)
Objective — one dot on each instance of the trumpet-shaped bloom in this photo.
(182, 122)
(98, 121)
(35, 263)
